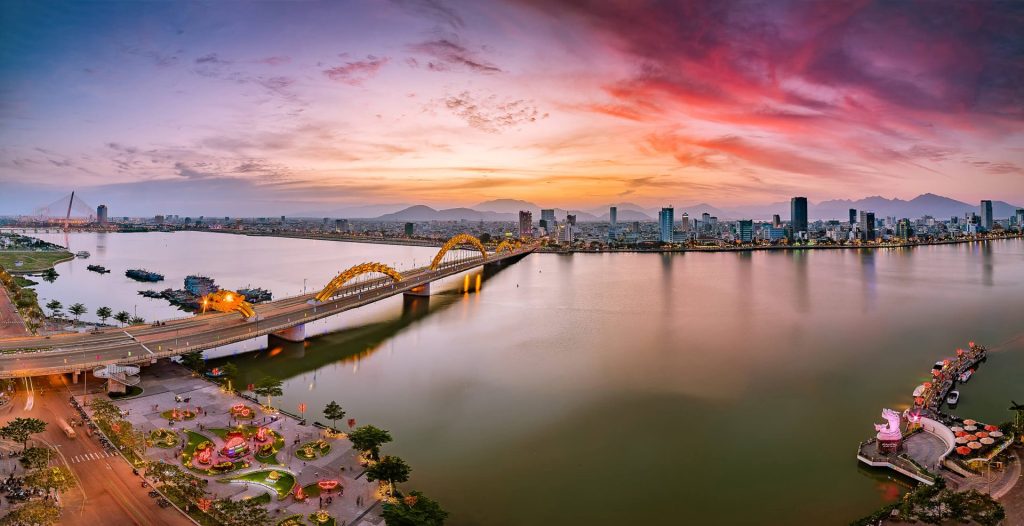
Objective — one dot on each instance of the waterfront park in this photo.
(226, 458)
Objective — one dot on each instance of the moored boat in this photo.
(143, 275)
(97, 268)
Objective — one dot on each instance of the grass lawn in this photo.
(262, 499)
(312, 491)
(164, 438)
(132, 391)
(31, 261)
(283, 485)
(248, 431)
(194, 439)
(169, 414)
(316, 451)
(23, 282)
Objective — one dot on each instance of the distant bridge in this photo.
(286, 318)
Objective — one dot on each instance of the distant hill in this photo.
(507, 206)
(425, 213)
(926, 204)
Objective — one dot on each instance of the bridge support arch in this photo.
(420, 291)
(461, 239)
(292, 334)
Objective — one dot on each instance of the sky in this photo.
(284, 106)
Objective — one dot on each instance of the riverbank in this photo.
(32, 261)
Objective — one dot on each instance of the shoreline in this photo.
(669, 250)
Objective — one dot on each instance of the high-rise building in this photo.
(1020, 218)
(853, 216)
(666, 218)
(903, 229)
(543, 224)
(986, 214)
(159, 219)
(776, 221)
(798, 214)
(571, 219)
(525, 224)
(410, 229)
(342, 225)
(868, 225)
(684, 224)
(613, 216)
(549, 216)
(101, 214)
(282, 219)
(745, 231)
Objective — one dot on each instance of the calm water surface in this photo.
(620, 388)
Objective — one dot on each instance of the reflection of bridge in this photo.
(286, 318)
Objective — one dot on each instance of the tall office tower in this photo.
(571, 219)
(903, 229)
(685, 222)
(1020, 218)
(869, 226)
(666, 218)
(853, 216)
(549, 216)
(798, 214)
(986, 214)
(410, 229)
(613, 216)
(545, 226)
(341, 225)
(776, 221)
(746, 230)
(101, 214)
(525, 224)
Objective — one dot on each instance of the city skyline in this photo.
(451, 104)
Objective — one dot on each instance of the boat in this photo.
(98, 268)
(938, 365)
(143, 275)
(200, 285)
(255, 295)
(82, 254)
(953, 397)
(966, 375)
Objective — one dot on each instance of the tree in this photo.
(37, 457)
(57, 478)
(77, 310)
(334, 412)
(414, 510)
(55, 308)
(229, 371)
(122, 317)
(21, 429)
(390, 469)
(194, 361)
(190, 486)
(34, 513)
(268, 387)
(138, 320)
(103, 313)
(104, 410)
(241, 512)
(368, 439)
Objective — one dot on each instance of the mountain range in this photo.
(508, 210)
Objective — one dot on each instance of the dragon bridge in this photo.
(358, 270)
(460, 239)
(508, 245)
(228, 301)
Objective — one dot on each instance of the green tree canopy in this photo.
(77, 310)
(56, 478)
(122, 317)
(137, 320)
(55, 307)
(103, 313)
(33, 513)
(334, 412)
(20, 429)
(369, 439)
(243, 512)
(37, 457)
(390, 469)
(194, 361)
(414, 510)
(268, 387)
(105, 410)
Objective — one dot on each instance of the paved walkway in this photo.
(162, 382)
(926, 449)
(11, 324)
(1013, 498)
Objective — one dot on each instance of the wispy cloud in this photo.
(447, 54)
(356, 72)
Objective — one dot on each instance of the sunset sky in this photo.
(568, 103)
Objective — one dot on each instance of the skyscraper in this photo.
(101, 214)
(798, 214)
(869, 226)
(665, 220)
(745, 232)
(776, 221)
(684, 223)
(853, 216)
(549, 216)
(526, 224)
(986, 214)
(1020, 218)
(613, 216)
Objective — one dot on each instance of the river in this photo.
(723, 388)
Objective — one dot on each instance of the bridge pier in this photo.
(74, 377)
(293, 334)
(114, 386)
(422, 290)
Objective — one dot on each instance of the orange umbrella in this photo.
(981, 434)
(963, 450)
(991, 428)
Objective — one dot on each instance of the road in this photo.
(143, 343)
(108, 492)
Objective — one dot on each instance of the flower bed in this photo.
(294, 520)
(281, 482)
(311, 450)
(178, 414)
(321, 518)
(242, 412)
(164, 438)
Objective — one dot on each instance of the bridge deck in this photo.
(33, 356)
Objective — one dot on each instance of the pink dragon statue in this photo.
(891, 429)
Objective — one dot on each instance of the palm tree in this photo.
(104, 313)
(138, 320)
(55, 308)
(78, 310)
(122, 317)
(334, 412)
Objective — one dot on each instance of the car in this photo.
(953, 397)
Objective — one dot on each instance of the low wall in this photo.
(938, 429)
